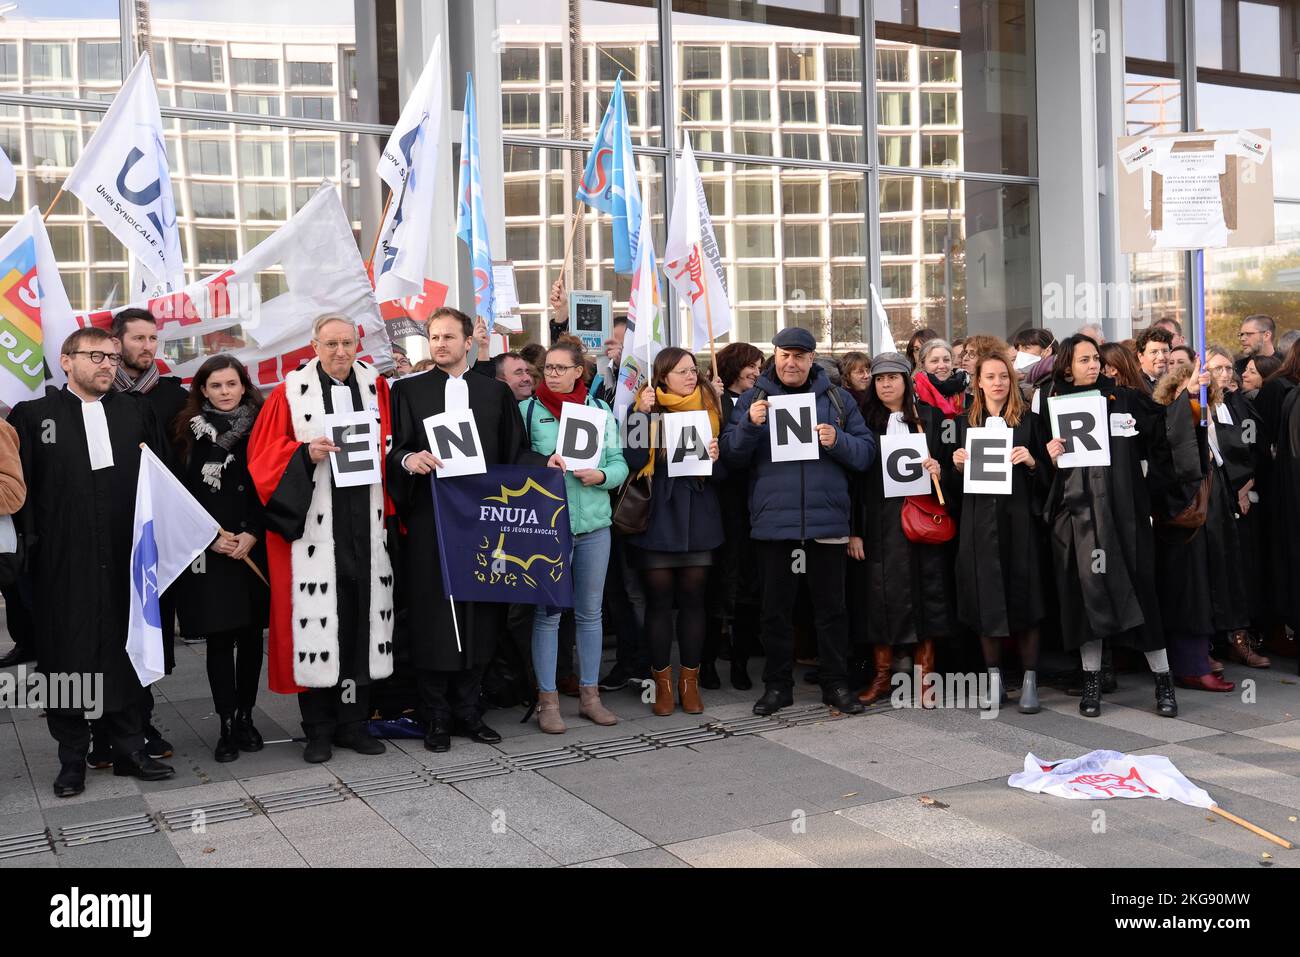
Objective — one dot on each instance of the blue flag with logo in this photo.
(471, 219)
(609, 182)
(504, 536)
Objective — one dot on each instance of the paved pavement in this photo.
(891, 788)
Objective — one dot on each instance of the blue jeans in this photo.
(588, 566)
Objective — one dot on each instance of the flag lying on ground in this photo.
(609, 181)
(409, 165)
(1098, 775)
(702, 284)
(171, 530)
(509, 540)
(124, 179)
(8, 178)
(35, 316)
(471, 217)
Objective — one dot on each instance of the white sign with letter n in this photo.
(792, 427)
(453, 439)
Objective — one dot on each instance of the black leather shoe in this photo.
(155, 745)
(740, 674)
(141, 765)
(227, 750)
(438, 737)
(1090, 700)
(359, 741)
(71, 780)
(476, 731)
(842, 700)
(1166, 703)
(247, 737)
(100, 758)
(18, 655)
(773, 700)
(708, 678)
(318, 751)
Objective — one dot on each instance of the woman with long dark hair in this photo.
(675, 552)
(1102, 513)
(900, 591)
(220, 596)
(1120, 365)
(999, 583)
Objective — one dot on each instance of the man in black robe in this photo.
(80, 449)
(448, 677)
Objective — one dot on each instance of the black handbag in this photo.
(632, 505)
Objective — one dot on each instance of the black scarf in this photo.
(224, 430)
(955, 383)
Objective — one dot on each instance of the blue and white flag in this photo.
(123, 178)
(471, 219)
(409, 165)
(609, 182)
(171, 530)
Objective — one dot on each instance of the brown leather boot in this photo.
(591, 708)
(925, 661)
(688, 689)
(548, 712)
(663, 705)
(1239, 649)
(882, 657)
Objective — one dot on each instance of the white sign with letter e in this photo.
(357, 436)
(453, 439)
(900, 460)
(1082, 421)
(792, 427)
(686, 443)
(581, 438)
(988, 462)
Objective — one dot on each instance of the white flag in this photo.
(122, 177)
(690, 232)
(884, 336)
(8, 178)
(171, 530)
(1099, 775)
(409, 165)
(644, 318)
(35, 316)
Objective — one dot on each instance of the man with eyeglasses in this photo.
(1256, 338)
(448, 676)
(331, 577)
(1153, 346)
(80, 451)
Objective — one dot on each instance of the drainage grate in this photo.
(21, 845)
(201, 815)
(616, 747)
(809, 714)
(684, 736)
(754, 725)
(551, 758)
(472, 771)
(97, 832)
(300, 798)
(388, 784)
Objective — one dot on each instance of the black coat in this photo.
(1286, 466)
(428, 613)
(901, 592)
(77, 524)
(998, 571)
(220, 594)
(685, 515)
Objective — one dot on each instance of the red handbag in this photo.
(926, 522)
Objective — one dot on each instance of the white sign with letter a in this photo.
(1082, 421)
(581, 438)
(988, 461)
(357, 436)
(900, 460)
(453, 439)
(792, 427)
(686, 443)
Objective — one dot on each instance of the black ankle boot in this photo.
(1090, 702)
(1166, 704)
(740, 673)
(227, 749)
(709, 676)
(246, 736)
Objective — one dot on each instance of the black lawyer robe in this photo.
(430, 628)
(77, 524)
(1286, 465)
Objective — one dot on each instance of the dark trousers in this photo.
(822, 569)
(18, 614)
(234, 661)
(445, 695)
(123, 730)
(324, 710)
(625, 600)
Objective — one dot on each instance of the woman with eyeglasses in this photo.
(675, 552)
(590, 516)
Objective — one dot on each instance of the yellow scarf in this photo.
(671, 402)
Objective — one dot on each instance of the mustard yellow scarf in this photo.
(671, 402)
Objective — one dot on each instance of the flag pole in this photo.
(937, 490)
(1198, 258)
(248, 561)
(708, 312)
(455, 624)
(568, 248)
(54, 202)
(383, 217)
(1266, 835)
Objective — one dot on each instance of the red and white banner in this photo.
(1098, 775)
(323, 272)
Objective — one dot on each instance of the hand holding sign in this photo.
(453, 437)
(792, 427)
(581, 438)
(355, 439)
(320, 449)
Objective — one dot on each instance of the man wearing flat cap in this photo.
(799, 514)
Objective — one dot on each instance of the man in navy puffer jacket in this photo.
(799, 513)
